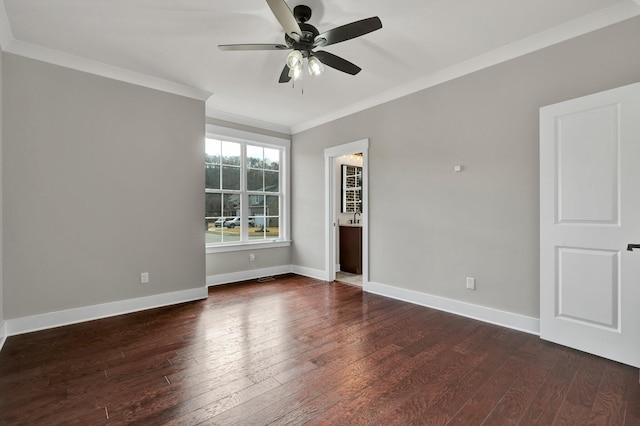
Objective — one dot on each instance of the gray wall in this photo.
(238, 261)
(1, 201)
(430, 227)
(103, 180)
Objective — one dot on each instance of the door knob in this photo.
(630, 247)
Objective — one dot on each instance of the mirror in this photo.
(351, 189)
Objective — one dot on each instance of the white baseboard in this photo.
(89, 313)
(309, 272)
(3, 333)
(494, 316)
(252, 274)
(28, 324)
(235, 277)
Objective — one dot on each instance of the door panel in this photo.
(588, 286)
(589, 212)
(588, 166)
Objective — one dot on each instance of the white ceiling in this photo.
(422, 42)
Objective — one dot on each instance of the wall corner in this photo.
(5, 28)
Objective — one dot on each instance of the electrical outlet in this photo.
(144, 278)
(471, 283)
(252, 257)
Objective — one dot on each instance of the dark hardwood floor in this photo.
(298, 350)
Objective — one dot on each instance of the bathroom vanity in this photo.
(351, 248)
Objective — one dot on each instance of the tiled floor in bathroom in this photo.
(347, 278)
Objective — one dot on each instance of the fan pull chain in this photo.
(293, 85)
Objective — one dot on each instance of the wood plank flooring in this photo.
(297, 350)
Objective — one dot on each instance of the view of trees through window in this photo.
(243, 191)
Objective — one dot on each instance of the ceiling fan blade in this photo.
(348, 31)
(333, 61)
(284, 15)
(284, 76)
(227, 47)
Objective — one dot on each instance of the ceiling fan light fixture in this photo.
(296, 72)
(315, 66)
(294, 60)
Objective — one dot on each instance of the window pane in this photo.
(213, 205)
(256, 205)
(212, 176)
(231, 153)
(267, 228)
(272, 222)
(212, 237)
(272, 205)
(230, 177)
(256, 233)
(255, 157)
(228, 228)
(271, 181)
(273, 228)
(229, 235)
(213, 211)
(231, 205)
(255, 180)
(212, 151)
(271, 159)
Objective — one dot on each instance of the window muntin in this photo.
(243, 180)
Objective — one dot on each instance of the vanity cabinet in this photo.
(351, 249)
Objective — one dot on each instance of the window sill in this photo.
(246, 246)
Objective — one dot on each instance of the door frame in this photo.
(330, 155)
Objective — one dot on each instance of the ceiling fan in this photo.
(303, 38)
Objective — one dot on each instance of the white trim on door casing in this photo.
(330, 212)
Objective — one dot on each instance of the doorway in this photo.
(334, 212)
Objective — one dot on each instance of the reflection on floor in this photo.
(346, 277)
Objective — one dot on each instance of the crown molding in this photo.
(246, 121)
(597, 20)
(586, 24)
(66, 60)
(5, 28)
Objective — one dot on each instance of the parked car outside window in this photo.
(233, 222)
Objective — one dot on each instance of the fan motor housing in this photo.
(302, 13)
(309, 33)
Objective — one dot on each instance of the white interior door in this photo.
(589, 213)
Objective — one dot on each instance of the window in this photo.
(245, 193)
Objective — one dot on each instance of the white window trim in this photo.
(251, 245)
(234, 135)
